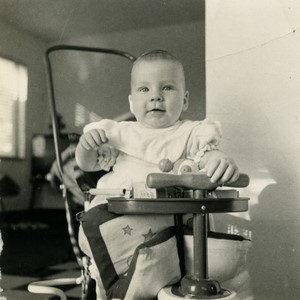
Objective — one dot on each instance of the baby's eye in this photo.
(168, 88)
(143, 89)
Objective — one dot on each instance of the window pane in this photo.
(13, 97)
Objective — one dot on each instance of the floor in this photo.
(33, 240)
(14, 287)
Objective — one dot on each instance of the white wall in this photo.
(253, 88)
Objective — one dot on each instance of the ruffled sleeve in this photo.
(204, 137)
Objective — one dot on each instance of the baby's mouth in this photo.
(156, 110)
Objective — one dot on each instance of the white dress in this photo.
(141, 148)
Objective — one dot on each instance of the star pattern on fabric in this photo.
(148, 236)
(127, 230)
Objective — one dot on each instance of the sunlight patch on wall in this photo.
(84, 116)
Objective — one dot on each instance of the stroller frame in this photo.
(46, 286)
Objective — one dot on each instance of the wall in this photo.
(253, 88)
(18, 45)
(110, 92)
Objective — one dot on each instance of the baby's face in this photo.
(158, 95)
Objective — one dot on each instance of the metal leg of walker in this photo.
(198, 285)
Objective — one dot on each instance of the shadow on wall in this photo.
(274, 256)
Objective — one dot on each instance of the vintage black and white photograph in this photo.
(149, 149)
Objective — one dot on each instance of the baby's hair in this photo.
(156, 55)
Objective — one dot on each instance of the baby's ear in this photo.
(185, 101)
(130, 103)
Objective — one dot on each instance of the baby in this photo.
(158, 98)
(134, 149)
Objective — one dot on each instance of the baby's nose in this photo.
(157, 97)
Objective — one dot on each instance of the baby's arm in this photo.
(203, 147)
(93, 153)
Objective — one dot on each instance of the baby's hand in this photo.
(93, 139)
(107, 157)
(103, 155)
(220, 168)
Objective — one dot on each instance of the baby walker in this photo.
(195, 198)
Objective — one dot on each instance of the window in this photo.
(13, 97)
